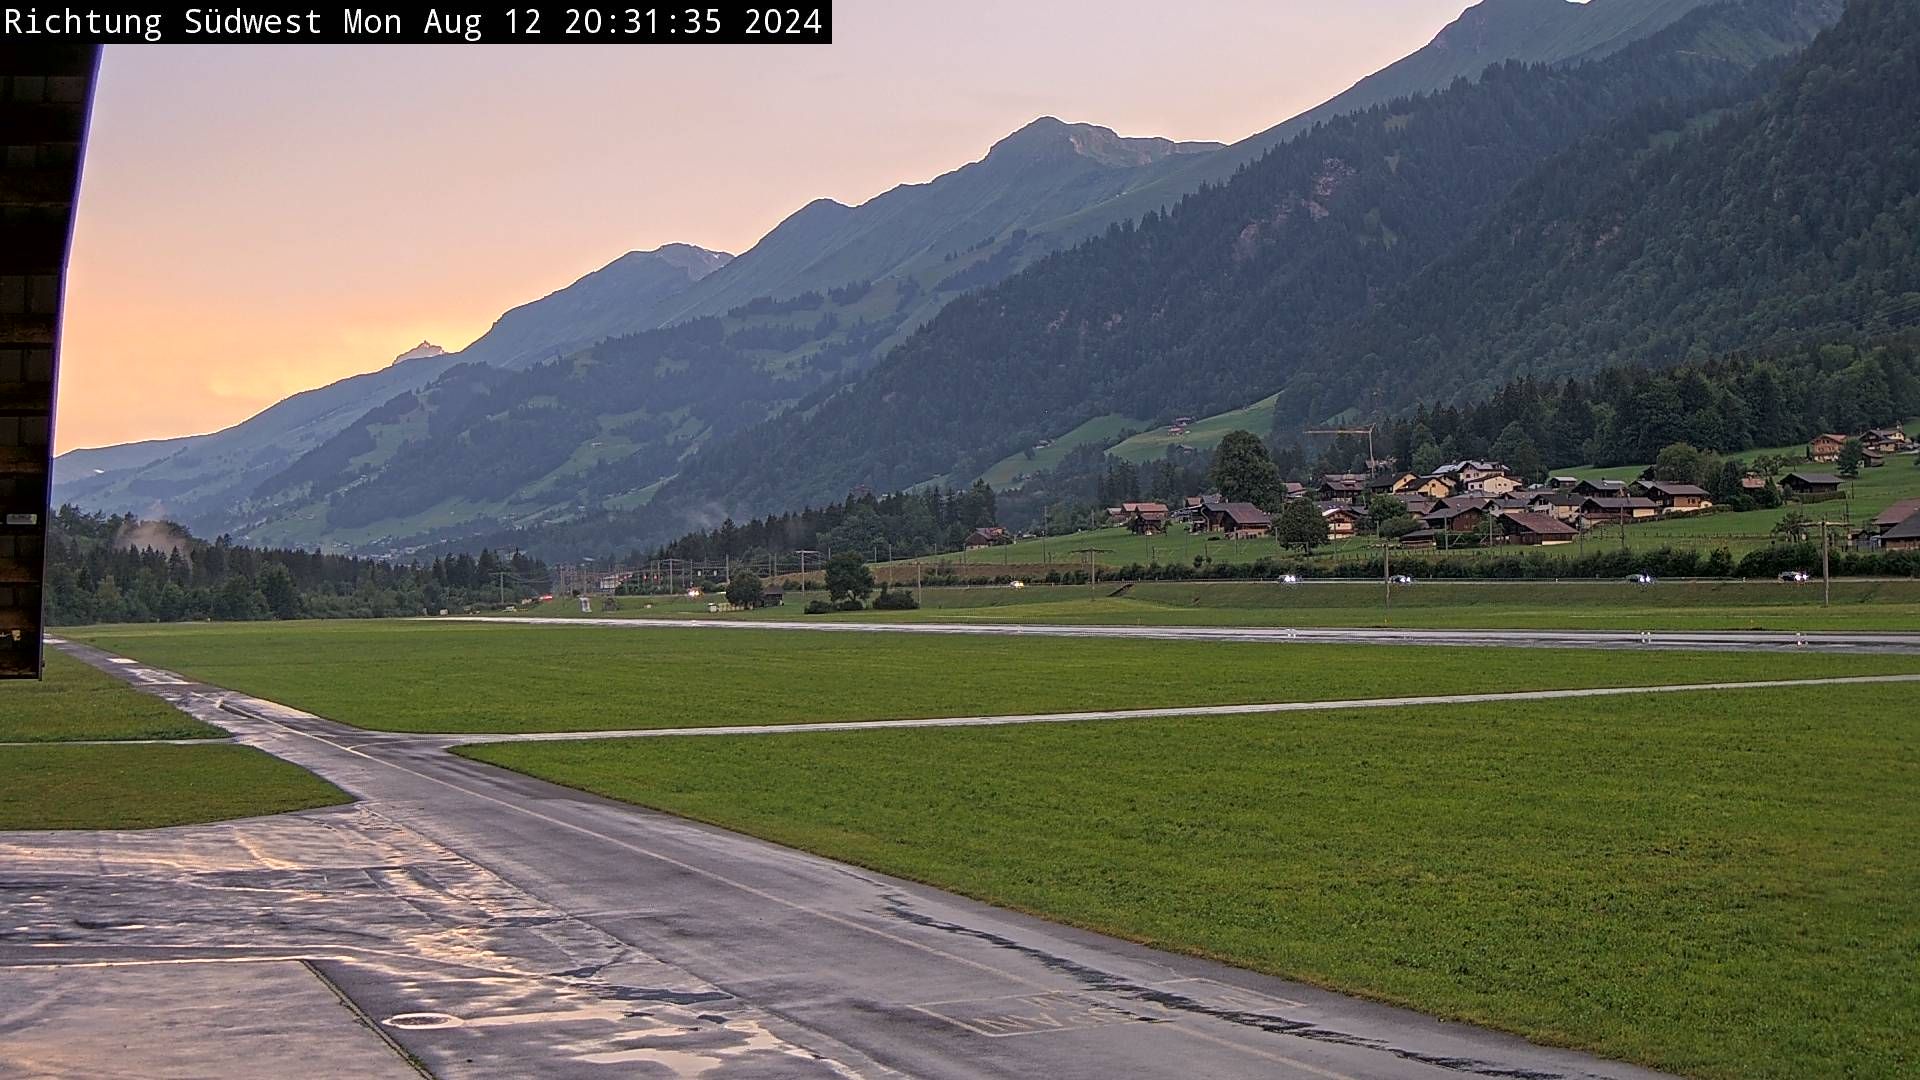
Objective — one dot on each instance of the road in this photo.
(1705, 641)
(494, 925)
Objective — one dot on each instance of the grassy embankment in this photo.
(427, 676)
(49, 786)
(1722, 884)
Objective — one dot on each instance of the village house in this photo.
(985, 537)
(1349, 488)
(1825, 448)
(1293, 489)
(1436, 487)
(1342, 520)
(1455, 519)
(1675, 498)
(1616, 510)
(1391, 483)
(1238, 520)
(1811, 485)
(1146, 518)
(1563, 483)
(1904, 536)
(1415, 502)
(1495, 484)
(1535, 530)
(1887, 440)
(1602, 489)
(1894, 516)
(1753, 481)
(1467, 473)
(1564, 506)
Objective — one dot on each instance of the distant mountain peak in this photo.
(420, 352)
(695, 261)
(1050, 136)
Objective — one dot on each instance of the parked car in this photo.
(1640, 579)
(1795, 576)
(1400, 579)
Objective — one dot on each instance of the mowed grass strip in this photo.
(75, 702)
(143, 787)
(1724, 884)
(467, 677)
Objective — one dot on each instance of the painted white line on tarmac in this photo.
(1175, 711)
(1638, 639)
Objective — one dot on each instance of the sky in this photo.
(258, 221)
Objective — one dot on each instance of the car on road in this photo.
(1795, 576)
(1400, 579)
(1289, 579)
(1640, 579)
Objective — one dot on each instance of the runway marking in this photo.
(474, 739)
(1708, 640)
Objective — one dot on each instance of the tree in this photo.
(848, 577)
(1516, 448)
(1300, 522)
(1681, 463)
(1395, 528)
(1792, 526)
(1242, 472)
(276, 584)
(745, 590)
(1428, 457)
(1384, 508)
(1851, 457)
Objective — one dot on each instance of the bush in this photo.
(818, 607)
(888, 600)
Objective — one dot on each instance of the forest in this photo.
(117, 568)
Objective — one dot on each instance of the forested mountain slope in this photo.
(1227, 297)
(1793, 214)
(205, 481)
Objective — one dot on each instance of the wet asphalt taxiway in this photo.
(485, 924)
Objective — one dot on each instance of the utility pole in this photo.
(1386, 570)
(1826, 567)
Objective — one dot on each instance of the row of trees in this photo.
(900, 525)
(117, 568)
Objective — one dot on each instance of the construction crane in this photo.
(1372, 461)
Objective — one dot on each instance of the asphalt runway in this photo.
(1705, 641)
(493, 925)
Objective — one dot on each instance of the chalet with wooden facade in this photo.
(1825, 448)
(1675, 498)
(1811, 485)
(1537, 530)
(1238, 520)
(985, 537)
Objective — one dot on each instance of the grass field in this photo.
(77, 702)
(1723, 884)
(1203, 434)
(144, 787)
(1523, 605)
(1098, 431)
(425, 676)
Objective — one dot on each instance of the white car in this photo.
(1289, 579)
(1400, 579)
(1640, 579)
(1796, 576)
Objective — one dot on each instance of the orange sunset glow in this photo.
(258, 221)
